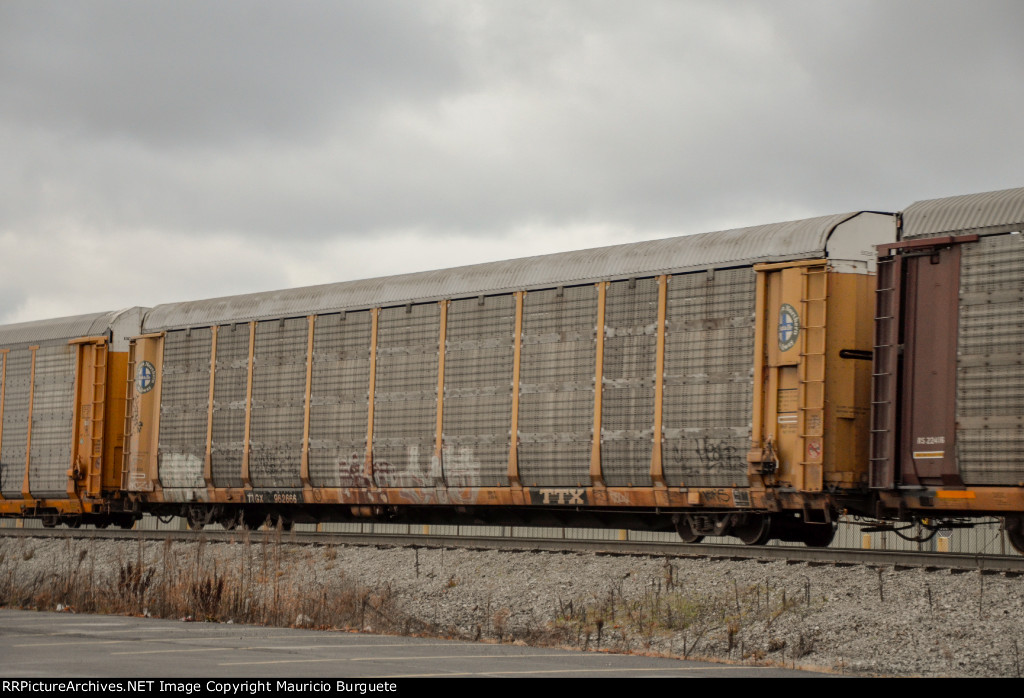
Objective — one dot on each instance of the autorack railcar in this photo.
(63, 391)
(948, 424)
(715, 383)
(733, 383)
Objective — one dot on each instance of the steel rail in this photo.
(813, 556)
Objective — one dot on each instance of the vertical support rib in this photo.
(368, 468)
(208, 460)
(596, 478)
(246, 478)
(3, 395)
(757, 432)
(26, 492)
(513, 451)
(657, 467)
(304, 467)
(438, 463)
(78, 434)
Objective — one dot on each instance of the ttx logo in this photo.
(561, 496)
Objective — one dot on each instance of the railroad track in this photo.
(956, 562)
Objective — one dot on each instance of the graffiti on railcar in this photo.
(352, 471)
(705, 455)
(720, 496)
(715, 455)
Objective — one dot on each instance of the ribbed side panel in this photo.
(478, 391)
(53, 412)
(556, 385)
(339, 399)
(709, 350)
(278, 403)
(184, 406)
(16, 391)
(230, 384)
(990, 373)
(627, 401)
(404, 412)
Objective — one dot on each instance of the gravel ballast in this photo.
(854, 620)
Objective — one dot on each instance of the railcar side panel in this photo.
(230, 404)
(990, 362)
(708, 377)
(556, 386)
(17, 386)
(405, 399)
(52, 418)
(185, 379)
(278, 403)
(339, 399)
(479, 350)
(627, 401)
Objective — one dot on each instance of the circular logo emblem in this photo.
(789, 327)
(145, 377)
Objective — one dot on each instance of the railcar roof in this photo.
(985, 213)
(774, 242)
(57, 329)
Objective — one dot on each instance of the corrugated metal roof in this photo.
(56, 329)
(994, 211)
(774, 242)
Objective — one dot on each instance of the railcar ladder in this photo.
(812, 375)
(884, 375)
(128, 417)
(98, 418)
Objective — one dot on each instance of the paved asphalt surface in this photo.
(63, 645)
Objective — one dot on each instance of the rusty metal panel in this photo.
(15, 424)
(405, 404)
(230, 383)
(479, 349)
(627, 406)
(988, 212)
(278, 403)
(930, 287)
(810, 238)
(709, 377)
(184, 405)
(556, 386)
(990, 362)
(339, 399)
(53, 412)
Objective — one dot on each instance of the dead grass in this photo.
(274, 584)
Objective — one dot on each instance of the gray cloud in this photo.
(266, 132)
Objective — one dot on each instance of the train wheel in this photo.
(231, 521)
(196, 518)
(818, 535)
(755, 529)
(1014, 528)
(685, 530)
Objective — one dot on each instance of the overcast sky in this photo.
(153, 152)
